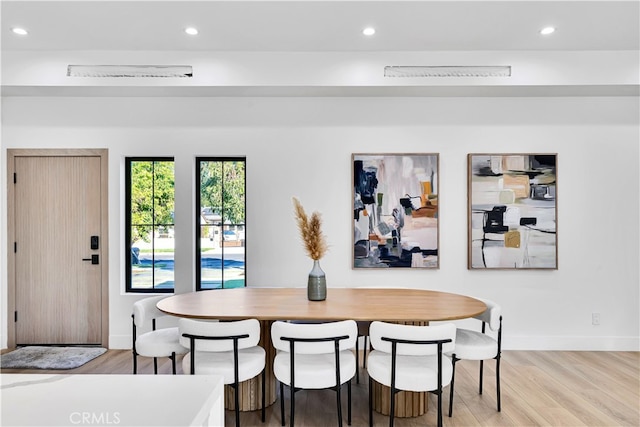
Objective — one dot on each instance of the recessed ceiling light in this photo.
(191, 31)
(369, 31)
(20, 31)
(547, 30)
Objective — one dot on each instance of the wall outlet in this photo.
(595, 318)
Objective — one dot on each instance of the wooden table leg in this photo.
(250, 390)
(408, 403)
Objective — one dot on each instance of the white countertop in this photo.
(111, 400)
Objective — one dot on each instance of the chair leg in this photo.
(339, 400)
(236, 399)
(293, 404)
(349, 402)
(370, 402)
(173, 362)
(364, 353)
(155, 365)
(451, 386)
(264, 378)
(392, 410)
(282, 403)
(357, 361)
(498, 382)
(439, 406)
(135, 363)
(481, 369)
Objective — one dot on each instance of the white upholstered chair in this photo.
(229, 349)
(410, 358)
(480, 345)
(314, 356)
(153, 342)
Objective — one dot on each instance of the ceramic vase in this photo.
(317, 284)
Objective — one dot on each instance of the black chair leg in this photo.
(481, 369)
(451, 386)
(357, 361)
(263, 392)
(293, 404)
(236, 398)
(339, 400)
(135, 363)
(498, 383)
(364, 353)
(155, 365)
(282, 403)
(173, 362)
(370, 402)
(440, 406)
(392, 410)
(349, 402)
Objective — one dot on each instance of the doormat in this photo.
(41, 357)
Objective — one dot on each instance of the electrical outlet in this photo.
(595, 318)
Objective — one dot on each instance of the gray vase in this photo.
(317, 284)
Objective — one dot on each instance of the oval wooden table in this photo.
(410, 306)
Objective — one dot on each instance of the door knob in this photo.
(95, 259)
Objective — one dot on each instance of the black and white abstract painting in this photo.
(395, 210)
(512, 202)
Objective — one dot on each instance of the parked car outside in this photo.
(229, 235)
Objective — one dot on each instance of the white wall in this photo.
(302, 147)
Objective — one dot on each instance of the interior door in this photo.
(58, 250)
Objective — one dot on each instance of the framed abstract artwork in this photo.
(395, 211)
(512, 211)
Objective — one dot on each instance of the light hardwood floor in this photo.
(539, 388)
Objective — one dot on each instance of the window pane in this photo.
(141, 258)
(141, 194)
(163, 262)
(221, 255)
(150, 225)
(163, 192)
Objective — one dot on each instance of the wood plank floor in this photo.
(539, 388)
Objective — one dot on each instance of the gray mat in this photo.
(37, 357)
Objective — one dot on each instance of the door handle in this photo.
(95, 259)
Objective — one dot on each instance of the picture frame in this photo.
(395, 210)
(512, 211)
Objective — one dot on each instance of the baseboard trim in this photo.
(571, 343)
(120, 342)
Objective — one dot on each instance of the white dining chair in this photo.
(148, 339)
(480, 345)
(410, 358)
(229, 349)
(314, 356)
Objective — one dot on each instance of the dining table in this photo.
(269, 304)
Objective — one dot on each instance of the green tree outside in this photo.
(152, 197)
(222, 187)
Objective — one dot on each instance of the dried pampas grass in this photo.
(310, 230)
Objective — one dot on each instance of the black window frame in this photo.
(198, 210)
(128, 225)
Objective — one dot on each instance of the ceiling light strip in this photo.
(447, 71)
(130, 71)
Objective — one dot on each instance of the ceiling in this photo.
(321, 26)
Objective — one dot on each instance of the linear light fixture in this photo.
(130, 71)
(447, 71)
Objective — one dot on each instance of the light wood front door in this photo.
(59, 249)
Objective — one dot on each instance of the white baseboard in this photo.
(120, 342)
(571, 343)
